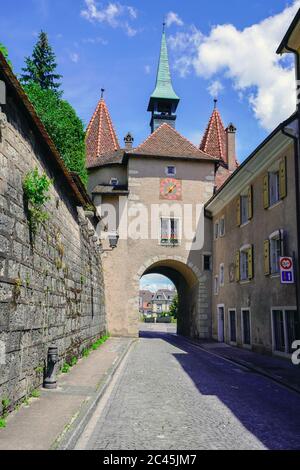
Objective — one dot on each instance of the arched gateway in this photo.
(153, 196)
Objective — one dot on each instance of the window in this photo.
(216, 234)
(244, 206)
(206, 262)
(244, 209)
(216, 285)
(273, 187)
(244, 275)
(222, 227)
(246, 327)
(275, 252)
(171, 170)
(169, 231)
(286, 329)
(222, 274)
(114, 181)
(232, 326)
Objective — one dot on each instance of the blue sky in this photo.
(115, 45)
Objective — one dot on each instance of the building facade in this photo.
(253, 226)
(153, 195)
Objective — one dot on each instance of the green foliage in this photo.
(74, 361)
(36, 189)
(2, 423)
(4, 51)
(41, 66)
(174, 307)
(35, 394)
(63, 125)
(65, 368)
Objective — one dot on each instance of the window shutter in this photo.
(266, 191)
(238, 212)
(266, 257)
(250, 202)
(237, 266)
(282, 179)
(250, 263)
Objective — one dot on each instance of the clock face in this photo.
(170, 188)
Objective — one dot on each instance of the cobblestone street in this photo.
(170, 394)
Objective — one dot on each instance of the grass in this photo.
(85, 353)
(2, 423)
(35, 394)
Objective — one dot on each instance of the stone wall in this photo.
(51, 292)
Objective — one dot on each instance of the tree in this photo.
(4, 51)
(62, 124)
(41, 67)
(174, 307)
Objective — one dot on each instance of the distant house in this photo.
(145, 302)
(162, 300)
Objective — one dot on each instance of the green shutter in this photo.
(250, 202)
(238, 212)
(282, 179)
(250, 263)
(266, 191)
(266, 257)
(237, 266)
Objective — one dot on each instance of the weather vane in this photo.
(102, 92)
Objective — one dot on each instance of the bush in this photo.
(62, 124)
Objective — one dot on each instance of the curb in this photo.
(249, 366)
(74, 428)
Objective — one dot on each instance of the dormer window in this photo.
(114, 181)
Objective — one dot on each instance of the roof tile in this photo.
(166, 141)
(101, 137)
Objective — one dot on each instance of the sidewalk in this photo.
(50, 421)
(280, 370)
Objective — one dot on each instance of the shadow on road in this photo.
(270, 412)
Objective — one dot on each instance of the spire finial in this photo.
(215, 103)
(102, 92)
(164, 25)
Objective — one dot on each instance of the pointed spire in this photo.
(214, 139)
(101, 137)
(164, 88)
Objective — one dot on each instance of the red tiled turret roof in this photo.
(101, 137)
(214, 139)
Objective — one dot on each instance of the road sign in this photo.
(286, 270)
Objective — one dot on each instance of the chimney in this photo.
(230, 147)
(128, 139)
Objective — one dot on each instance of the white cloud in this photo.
(74, 57)
(147, 69)
(248, 58)
(173, 18)
(96, 40)
(215, 88)
(114, 14)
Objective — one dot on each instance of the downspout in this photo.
(297, 188)
(296, 163)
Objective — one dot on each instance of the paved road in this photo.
(169, 394)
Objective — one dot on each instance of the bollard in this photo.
(52, 359)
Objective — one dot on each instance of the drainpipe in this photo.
(297, 188)
(297, 177)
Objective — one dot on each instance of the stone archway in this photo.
(191, 285)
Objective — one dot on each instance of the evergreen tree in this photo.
(62, 124)
(5, 53)
(174, 307)
(41, 67)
